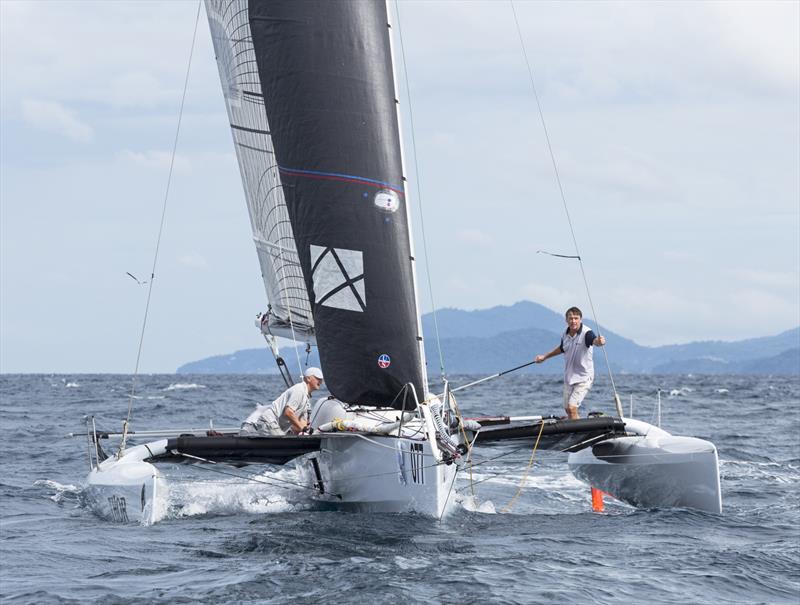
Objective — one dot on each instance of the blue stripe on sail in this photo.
(340, 177)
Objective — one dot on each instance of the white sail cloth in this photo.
(290, 312)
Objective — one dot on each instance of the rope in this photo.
(492, 459)
(158, 242)
(527, 469)
(419, 193)
(564, 202)
(503, 455)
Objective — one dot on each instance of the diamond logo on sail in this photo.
(338, 277)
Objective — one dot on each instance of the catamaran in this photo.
(312, 103)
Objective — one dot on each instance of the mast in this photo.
(415, 282)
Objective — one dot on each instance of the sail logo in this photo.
(417, 464)
(338, 278)
(384, 361)
(387, 200)
(411, 456)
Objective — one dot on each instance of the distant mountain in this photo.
(787, 362)
(491, 340)
(457, 323)
(246, 361)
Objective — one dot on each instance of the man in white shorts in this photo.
(288, 414)
(576, 344)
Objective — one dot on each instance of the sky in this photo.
(675, 127)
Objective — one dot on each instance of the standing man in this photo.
(576, 344)
(287, 414)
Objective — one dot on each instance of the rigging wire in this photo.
(507, 507)
(131, 397)
(492, 459)
(419, 193)
(564, 202)
(449, 491)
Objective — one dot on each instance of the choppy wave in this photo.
(267, 493)
(57, 492)
(226, 539)
(181, 386)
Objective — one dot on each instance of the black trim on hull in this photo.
(240, 450)
(571, 435)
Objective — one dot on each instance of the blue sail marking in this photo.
(335, 176)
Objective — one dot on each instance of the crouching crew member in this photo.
(288, 414)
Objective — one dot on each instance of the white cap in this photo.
(315, 372)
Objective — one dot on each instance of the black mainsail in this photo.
(311, 96)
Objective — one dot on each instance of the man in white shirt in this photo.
(288, 413)
(576, 344)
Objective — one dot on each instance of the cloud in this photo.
(671, 315)
(674, 125)
(678, 256)
(138, 89)
(644, 301)
(444, 141)
(622, 168)
(667, 315)
(53, 117)
(763, 37)
(769, 279)
(155, 159)
(752, 302)
(475, 237)
(113, 54)
(194, 261)
(549, 296)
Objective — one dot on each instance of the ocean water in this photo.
(227, 540)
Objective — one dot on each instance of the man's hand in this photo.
(599, 341)
(539, 359)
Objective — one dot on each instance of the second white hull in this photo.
(653, 469)
(128, 489)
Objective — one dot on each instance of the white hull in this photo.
(127, 489)
(372, 473)
(653, 469)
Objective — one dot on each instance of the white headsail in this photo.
(290, 313)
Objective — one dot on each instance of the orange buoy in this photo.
(597, 500)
